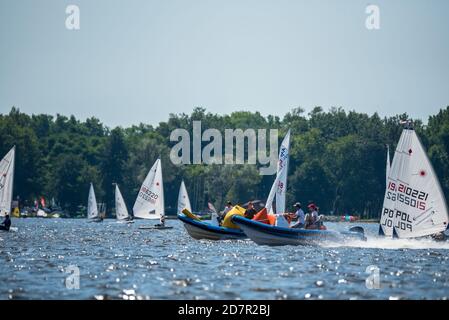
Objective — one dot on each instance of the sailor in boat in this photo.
(313, 220)
(6, 224)
(250, 211)
(226, 209)
(299, 216)
(161, 223)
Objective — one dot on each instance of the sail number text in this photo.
(148, 195)
(408, 196)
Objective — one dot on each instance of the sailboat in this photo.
(279, 187)
(183, 199)
(199, 229)
(273, 229)
(414, 203)
(121, 212)
(92, 208)
(150, 200)
(6, 183)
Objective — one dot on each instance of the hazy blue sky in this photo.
(137, 61)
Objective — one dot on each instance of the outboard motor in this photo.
(357, 229)
(355, 232)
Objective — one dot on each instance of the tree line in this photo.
(337, 158)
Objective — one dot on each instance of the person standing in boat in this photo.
(161, 222)
(299, 214)
(6, 224)
(250, 212)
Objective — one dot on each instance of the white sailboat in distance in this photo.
(92, 208)
(150, 200)
(414, 203)
(121, 212)
(183, 199)
(7, 181)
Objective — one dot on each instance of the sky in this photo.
(138, 61)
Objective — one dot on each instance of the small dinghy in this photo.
(266, 234)
(150, 200)
(199, 229)
(155, 228)
(6, 185)
(414, 203)
(268, 228)
(121, 212)
(92, 207)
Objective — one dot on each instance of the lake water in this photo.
(118, 261)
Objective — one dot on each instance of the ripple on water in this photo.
(121, 262)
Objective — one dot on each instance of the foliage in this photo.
(337, 158)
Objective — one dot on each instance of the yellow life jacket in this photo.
(190, 215)
(227, 221)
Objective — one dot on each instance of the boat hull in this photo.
(264, 234)
(203, 230)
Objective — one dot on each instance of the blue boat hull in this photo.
(203, 230)
(264, 234)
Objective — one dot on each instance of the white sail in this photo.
(387, 215)
(213, 214)
(150, 200)
(183, 199)
(121, 211)
(6, 181)
(417, 206)
(271, 195)
(279, 186)
(388, 166)
(92, 209)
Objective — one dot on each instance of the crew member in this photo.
(250, 211)
(6, 224)
(299, 214)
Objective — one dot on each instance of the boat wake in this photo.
(392, 244)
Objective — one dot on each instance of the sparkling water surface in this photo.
(119, 261)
